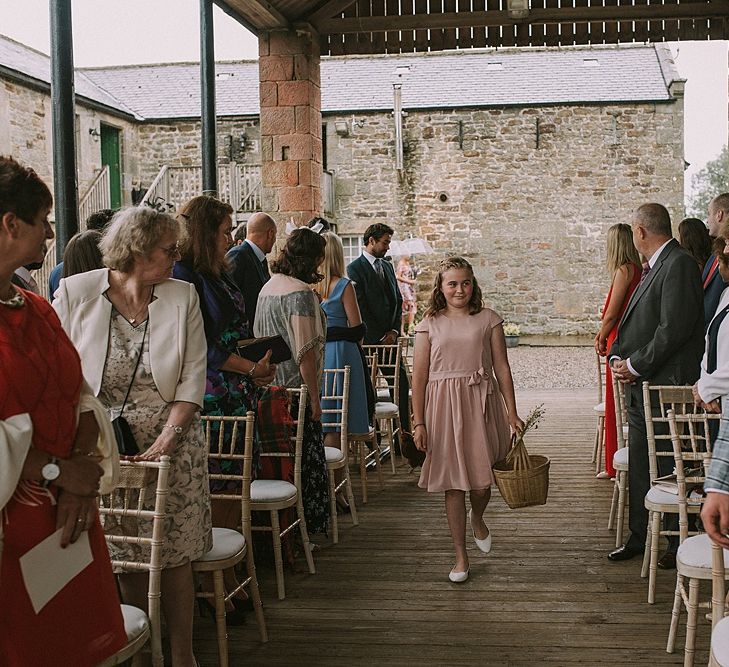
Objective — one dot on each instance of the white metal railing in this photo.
(97, 197)
(327, 192)
(160, 188)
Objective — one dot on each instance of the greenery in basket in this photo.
(532, 421)
(511, 329)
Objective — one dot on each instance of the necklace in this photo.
(15, 301)
(133, 319)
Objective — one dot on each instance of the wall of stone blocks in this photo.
(526, 194)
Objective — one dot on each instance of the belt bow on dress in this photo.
(478, 378)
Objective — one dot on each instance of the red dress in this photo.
(611, 433)
(40, 373)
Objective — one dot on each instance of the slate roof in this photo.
(479, 78)
(37, 66)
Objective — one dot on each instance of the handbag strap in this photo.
(136, 366)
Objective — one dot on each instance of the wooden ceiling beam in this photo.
(328, 9)
(261, 14)
(698, 11)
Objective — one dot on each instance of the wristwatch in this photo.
(177, 429)
(50, 472)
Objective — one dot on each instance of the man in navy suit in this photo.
(718, 215)
(379, 299)
(248, 265)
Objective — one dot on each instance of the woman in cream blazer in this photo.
(143, 353)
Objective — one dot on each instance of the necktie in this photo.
(264, 264)
(644, 273)
(379, 269)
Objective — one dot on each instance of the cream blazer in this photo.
(177, 345)
(715, 385)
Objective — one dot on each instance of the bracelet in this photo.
(420, 424)
(253, 369)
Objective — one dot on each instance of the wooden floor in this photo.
(545, 595)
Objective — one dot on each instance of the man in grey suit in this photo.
(248, 265)
(660, 340)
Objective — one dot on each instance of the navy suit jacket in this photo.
(712, 292)
(247, 273)
(380, 305)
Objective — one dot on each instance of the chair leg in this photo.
(305, 536)
(350, 497)
(256, 594)
(622, 495)
(647, 548)
(600, 443)
(391, 440)
(613, 506)
(653, 569)
(692, 609)
(362, 470)
(333, 506)
(277, 555)
(675, 615)
(378, 467)
(595, 444)
(219, 588)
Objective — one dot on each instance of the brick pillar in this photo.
(290, 92)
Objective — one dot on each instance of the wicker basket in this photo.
(523, 479)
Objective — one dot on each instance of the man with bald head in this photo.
(660, 340)
(717, 218)
(248, 265)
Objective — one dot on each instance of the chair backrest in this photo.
(600, 377)
(389, 358)
(718, 584)
(297, 438)
(222, 439)
(335, 395)
(372, 367)
(621, 414)
(692, 454)
(124, 513)
(657, 401)
(407, 357)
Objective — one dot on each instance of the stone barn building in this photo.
(519, 159)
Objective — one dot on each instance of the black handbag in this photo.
(125, 441)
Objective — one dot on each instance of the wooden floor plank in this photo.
(545, 595)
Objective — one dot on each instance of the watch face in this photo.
(50, 471)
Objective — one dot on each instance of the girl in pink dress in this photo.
(463, 402)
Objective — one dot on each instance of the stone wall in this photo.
(526, 194)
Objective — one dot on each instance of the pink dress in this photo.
(465, 414)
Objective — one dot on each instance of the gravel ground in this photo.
(553, 367)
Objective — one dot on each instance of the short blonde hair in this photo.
(333, 264)
(132, 233)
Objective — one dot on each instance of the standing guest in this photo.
(660, 340)
(694, 239)
(623, 263)
(142, 345)
(380, 301)
(97, 222)
(463, 413)
(82, 253)
(711, 392)
(288, 307)
(48, 481)
(343, 319)
(406, 283)
(231, 380)
(239, 234)
(248, 265)
(24, 279)
(717, 217)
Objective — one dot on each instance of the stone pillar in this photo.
(291, 146)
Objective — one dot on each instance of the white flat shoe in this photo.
(458, 577)
(602, 475)
(484, 544)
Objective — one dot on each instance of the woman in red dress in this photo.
(49, 477)
(623, 262)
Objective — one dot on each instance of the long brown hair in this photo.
(437, 298)
(202, 217)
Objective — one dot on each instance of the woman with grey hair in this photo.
(143, 352)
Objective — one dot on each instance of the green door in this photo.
(110, 156)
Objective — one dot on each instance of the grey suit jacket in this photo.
(662, 329)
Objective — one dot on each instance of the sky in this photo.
(153, 31)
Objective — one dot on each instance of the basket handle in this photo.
(518, 457)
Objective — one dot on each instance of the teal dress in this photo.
(339, 354)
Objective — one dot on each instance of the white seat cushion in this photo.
(334, 454)
(385, 409)
(621, 457)
(383, 394)
(226, 543)
(135, 621)
(600, 408)
(271, 490)
(660, 497)
(696, 552)
(720, 641)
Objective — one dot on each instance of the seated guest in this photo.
(142, 346)
(231, 383)
(48, 481)
(248, 265)
(82, 253)
(288, 307)
(97, 221)
(694, 238)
